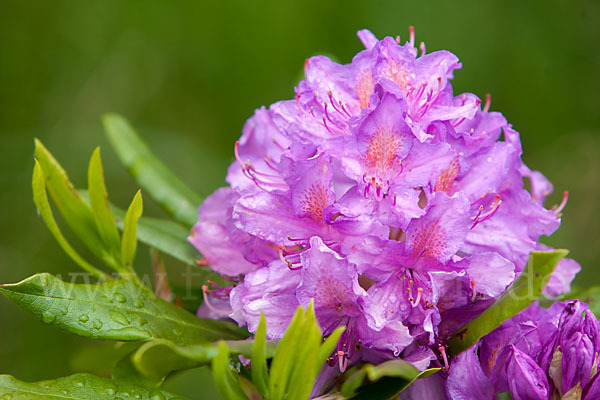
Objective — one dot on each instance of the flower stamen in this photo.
(484, 216)
(442, 349)
(558, 208)
(488, 102)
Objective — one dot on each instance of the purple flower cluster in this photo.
(384, 197)
(539, 354)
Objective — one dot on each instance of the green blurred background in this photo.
(189, 73)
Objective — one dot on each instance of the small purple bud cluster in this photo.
(384, 197)
(539, 354)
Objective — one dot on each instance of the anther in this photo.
(488, 214)
(290, 265)
(412, 35)
(342, 360)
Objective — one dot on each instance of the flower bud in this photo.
(577, 361)
(525, 379)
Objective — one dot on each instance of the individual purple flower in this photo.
(332, 282)
(269, 290)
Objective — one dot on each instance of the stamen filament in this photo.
(442, 350)
(488, 102)
(418, 299)
(205, 291)
(558, 209)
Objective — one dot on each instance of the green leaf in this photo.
(260, 373)
(71, 206)
(100, 206)
(225, 378)
(115, 310)
(285, 355)
(79, 386)
(40, 198)
(158, 358)
(168, 237)
(300, 356)
(154, 177)
(387, 380)
(305, 368)
(329, 344)
(129, 242)
(520, 294)
(126, 371)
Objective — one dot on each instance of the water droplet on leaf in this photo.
(119, 318)
(119, 298)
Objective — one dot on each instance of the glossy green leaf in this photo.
(329, 344)
(129, 242)
(300, 356)
(305, 367)
(79, 386)
(100, 206)
(520, 294)
(260, 372)
(154, 177)
(282, 363)
(114, 310)
(167, 236)
(225, 378)
(126, 371)
(158, 358)
(76, 213)
(386, 380)
(40, 198)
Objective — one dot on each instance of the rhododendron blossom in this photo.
(390, 201)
